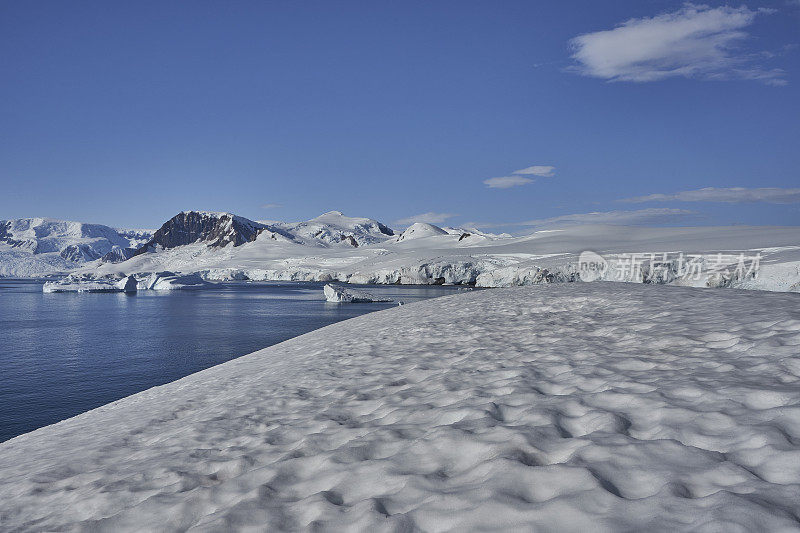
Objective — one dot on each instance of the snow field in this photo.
(570, 407)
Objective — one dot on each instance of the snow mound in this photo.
(580, 407)
(339, 294)
(420, 230)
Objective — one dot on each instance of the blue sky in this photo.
(126, 113)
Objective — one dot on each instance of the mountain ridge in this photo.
(36, 246)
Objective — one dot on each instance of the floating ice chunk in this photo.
(70, 284)
(339, 294)
(128, 284)
(165, 281)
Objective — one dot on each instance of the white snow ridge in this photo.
(577, 407)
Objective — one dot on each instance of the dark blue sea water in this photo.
(63, 354)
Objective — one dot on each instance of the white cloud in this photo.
(505, 182)
(430, 218)
(772, 195)
(518, 177)
(696, 41)
(271, 206)
(639, 217)
(537, 170)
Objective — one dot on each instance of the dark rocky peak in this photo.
(215, 229)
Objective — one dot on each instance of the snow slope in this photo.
(580, 407)
(420, 230)
(38, 246)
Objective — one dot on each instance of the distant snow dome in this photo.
(334, 228)
(419, 230)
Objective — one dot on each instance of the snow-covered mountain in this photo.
(215, 229)
(420, 230)
(40, 246)
(335, 228)
(353, 250)
(223, 246)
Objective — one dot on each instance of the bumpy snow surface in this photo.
(551, 408)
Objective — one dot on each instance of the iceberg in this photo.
(167, 281)
(128, 284)
(157, 281)
(69, 284)
(339, 294)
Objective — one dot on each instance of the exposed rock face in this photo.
(216, 229)
(385, 229)
(6, 235)
(79, 253)
(118, 255)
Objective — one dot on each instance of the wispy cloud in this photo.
(639, 217)
(271, 206)
(430, 218)
(771, 195)
(520, 177)
(506, 182)
(544, 171)
(696, 41)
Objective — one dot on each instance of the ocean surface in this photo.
(63, 354)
